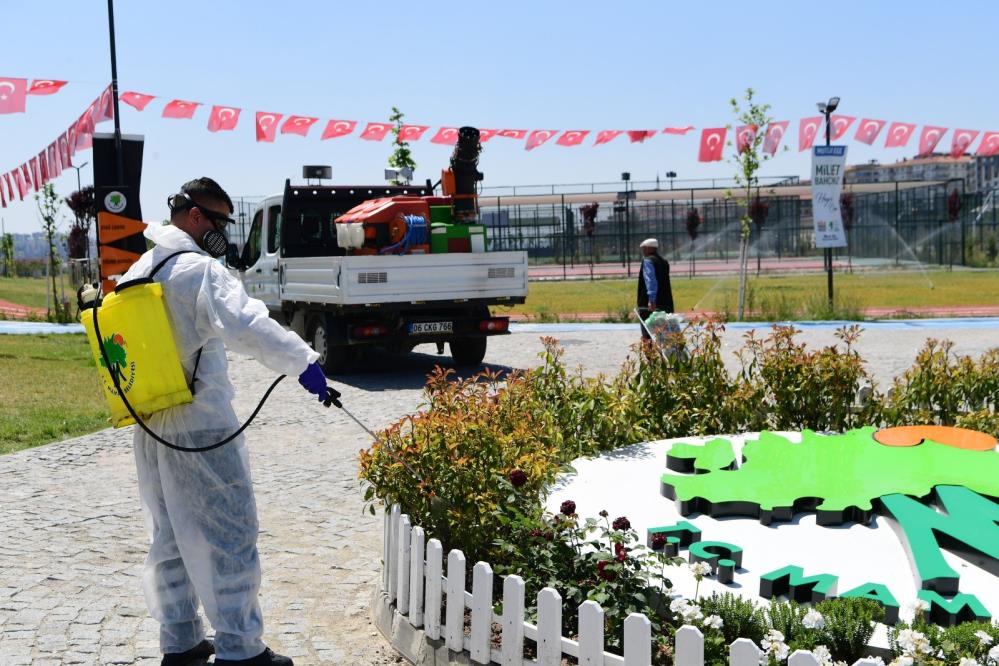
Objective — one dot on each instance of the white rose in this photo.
(713, 622)
(813, 620)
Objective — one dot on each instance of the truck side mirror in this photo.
(232, 257)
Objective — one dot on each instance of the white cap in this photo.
(650, 242)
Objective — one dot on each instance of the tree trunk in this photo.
(743, 261)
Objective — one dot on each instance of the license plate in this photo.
(425, 327)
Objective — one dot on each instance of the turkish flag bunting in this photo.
(988, 147)
(538, 137)
(375, 131)
(299, 125)
(36, 174)
(12, 95)
(712, 144)
(446, 135)
(52, 157)
(774, 135)
(23, 179)
(3, 197)
(486, 134)
(223, 118)
(85, 131)
(808, 129)
(868, 130)
(45, 87)
(606, 136)
(267, 124)
(179, 108)
(413, 132)
(744, 137)
(961, 141)
(137, 100)
(10, 188)
(681, 131)
(43, 167)
(337, 128)
(840, 124)
(639, 136)
(71, 139)
(512, 133)
(104, 109)
(929, 138)
(64, 155)
(572, 137)
(899, 134)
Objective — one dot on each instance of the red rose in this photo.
(606, 575)
(518, 478)
(568, 508)
(621, 524)
(620, 553)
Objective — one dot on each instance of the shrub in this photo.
(931, 645)
(849, 625)
(742, 618)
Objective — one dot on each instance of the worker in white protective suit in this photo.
(200, 507)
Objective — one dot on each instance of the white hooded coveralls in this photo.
(199, 507)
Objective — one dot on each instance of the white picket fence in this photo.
(413, 580)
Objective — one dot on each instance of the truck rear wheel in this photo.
(334, 358)
(468, 351)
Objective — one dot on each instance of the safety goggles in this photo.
(183, 200)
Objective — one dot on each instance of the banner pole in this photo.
(114, 96)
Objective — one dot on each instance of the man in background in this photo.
(654, 290)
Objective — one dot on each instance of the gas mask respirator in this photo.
(214, 241)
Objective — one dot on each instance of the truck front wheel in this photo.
(334, 358)
(468, 351)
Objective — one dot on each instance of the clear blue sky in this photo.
(532, 65)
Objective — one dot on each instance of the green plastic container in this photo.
(440, 214)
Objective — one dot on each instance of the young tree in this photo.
(84, 209)
(48, 208)
(402, 156)
(748, 158)
(7, 249)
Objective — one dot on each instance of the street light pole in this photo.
(78, 186)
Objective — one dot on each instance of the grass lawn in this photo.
(28, 291)
(49, 390)
(796, 292)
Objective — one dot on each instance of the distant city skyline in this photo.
(643, 65)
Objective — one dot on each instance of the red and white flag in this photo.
(52, 157)
(681, 131)
(899, 134)
(43, 167)
(3, 197)
(486, 134)
(712, 144)
(375, 131)
(223, 118)
(606, 136)
(338, 128)
(10, 187)
(929, 138)
(538, 138)
(179, 108)
(85, 131)
(65, 156)
(104, 109)
(639, 136)
(299, 125)
(412, 132)
(808, 129)
(45, 87)
(868, 130)
(71, 139)
(23, 179)
(136, 100)
(512, 133)
(572, 137)
(447, 136)
(12, 95)
(774, 135)
(36, 175)
(267, 125)
(840, 124)
(744, 137)
(961, 141)
(989, 145)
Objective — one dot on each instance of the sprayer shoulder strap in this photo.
(156, 268)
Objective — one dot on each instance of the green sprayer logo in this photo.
(114, 347)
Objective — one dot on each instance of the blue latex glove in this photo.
(313, 380)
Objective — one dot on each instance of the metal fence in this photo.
(901, 225)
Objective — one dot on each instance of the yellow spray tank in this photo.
(139, 346)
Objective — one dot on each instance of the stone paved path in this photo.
(72, 541)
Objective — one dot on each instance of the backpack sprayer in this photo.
(128, 363)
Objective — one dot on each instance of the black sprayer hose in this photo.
(142, 424)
